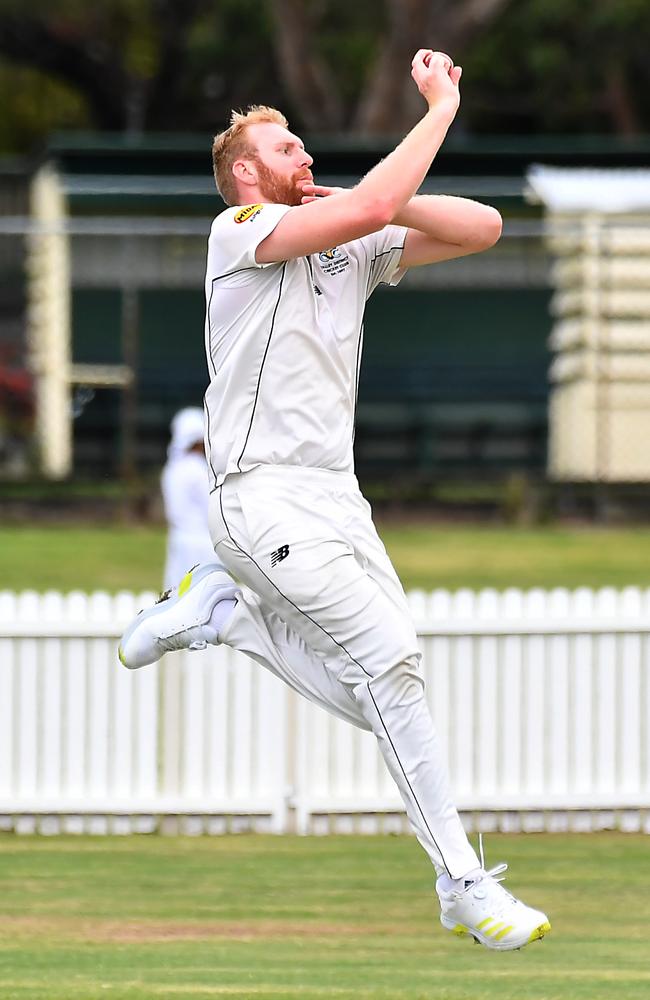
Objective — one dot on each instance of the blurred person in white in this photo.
(186, 493)
(302, 582)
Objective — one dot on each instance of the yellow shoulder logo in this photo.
(247, 213)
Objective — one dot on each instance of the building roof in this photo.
(563, 189)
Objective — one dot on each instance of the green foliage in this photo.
(541, 65)
(230, 64)
(562, 65)
(39, 104)
(349, 43)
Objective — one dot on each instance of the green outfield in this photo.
(114, 558)
(349, 918)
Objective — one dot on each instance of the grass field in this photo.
(264, 918)
(131, 558)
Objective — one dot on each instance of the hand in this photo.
(313, 192)
(436, 78)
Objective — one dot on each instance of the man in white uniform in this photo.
(185, 492)
(290, 266)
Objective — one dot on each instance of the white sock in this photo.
(220, 615)
(448, 884)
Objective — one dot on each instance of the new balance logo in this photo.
(279, 554)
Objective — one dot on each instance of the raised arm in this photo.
(385, 191)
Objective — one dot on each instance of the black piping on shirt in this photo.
(259, 377)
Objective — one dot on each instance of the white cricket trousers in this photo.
(326, 613)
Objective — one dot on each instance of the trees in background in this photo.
(383, 38)
(135, 65)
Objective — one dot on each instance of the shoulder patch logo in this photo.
(248, 213)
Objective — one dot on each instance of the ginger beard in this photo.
(278, 189)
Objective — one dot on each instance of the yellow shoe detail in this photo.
(492, 930)
(540, 931)
(484, 923)
(121, 656)
(184, 585)
(502, 933)
(459, 930)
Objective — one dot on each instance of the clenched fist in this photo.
(436, 78)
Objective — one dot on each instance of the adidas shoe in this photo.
(180, 619)
(482, 908)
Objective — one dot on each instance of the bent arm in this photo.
(382, 193)
(366, 208)
(442, 227)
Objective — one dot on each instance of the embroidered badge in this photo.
(333, 261)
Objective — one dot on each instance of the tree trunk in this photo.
(456, 23)
(175, 18)
(385, 106)
(391, 102)
(309, 82)
(619, 101)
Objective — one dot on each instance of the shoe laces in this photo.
(161, 597)
(166, 594)
(490, 872)
(487, 873)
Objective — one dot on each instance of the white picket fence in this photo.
(541, 701)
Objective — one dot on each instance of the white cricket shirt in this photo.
(283, 344)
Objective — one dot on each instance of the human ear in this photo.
(244, 171)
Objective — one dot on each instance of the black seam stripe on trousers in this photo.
(352, 658)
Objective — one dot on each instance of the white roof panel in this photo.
(567, 189)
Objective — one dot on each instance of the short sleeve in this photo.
(237, 233)
(385, 252)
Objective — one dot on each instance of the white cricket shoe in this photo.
(180, 619)
(487, 912)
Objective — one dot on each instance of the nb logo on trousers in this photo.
(279, 554)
